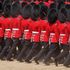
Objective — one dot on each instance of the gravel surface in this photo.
(15, 65)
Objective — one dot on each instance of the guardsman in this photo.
(16, 30)
(54, 36)
(26, 29)
(35, 39)
(44, 36)
(64, 35)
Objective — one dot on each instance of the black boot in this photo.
(36, 61)
(56, 62)
(27, 61)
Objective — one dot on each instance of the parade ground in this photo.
(15, 65)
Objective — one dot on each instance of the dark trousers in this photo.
(67, 60)
(8, 44)
(1, 43)
(13, 49)
(34, 50)
(62, 54)
(25, 46)
(44, 49)
(53, 52)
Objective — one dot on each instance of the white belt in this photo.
(0, 28)
(7, 29)
(62, 34)
(43, 31)
(52, 33)
(26, 30)
(15, 29)
(35, 32)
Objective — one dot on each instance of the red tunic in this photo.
(46, 3)
(54, 33)
(68, 26)
(37, 2)
(20, 17)
(64, 35)
(67, 3)
(1, 27)
(35, 31)
(50, 2)
(7, 27)
(44, 36)
(16, 27)
(26, 29)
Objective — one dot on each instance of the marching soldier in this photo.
(64, 35)
(35, 39)
(44, 36)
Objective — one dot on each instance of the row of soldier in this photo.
(35, 31)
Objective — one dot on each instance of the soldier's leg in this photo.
(23, 51)
(63, 54)
(32, 52)
(12, 49)
(52, 49)
(2, 44)
(44, 47)
(67, 61)
(57, 51)
(18, 49)
(6, 47)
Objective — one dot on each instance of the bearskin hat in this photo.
(60, 5)
(46, 0)
(68, 12)
(43, 11)
(52, 5)
(62, 15)
(52, 16)
(1, 8)
(35, 12)
(23, 4)
(15, 11)
(7, 8)
(26, 12)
